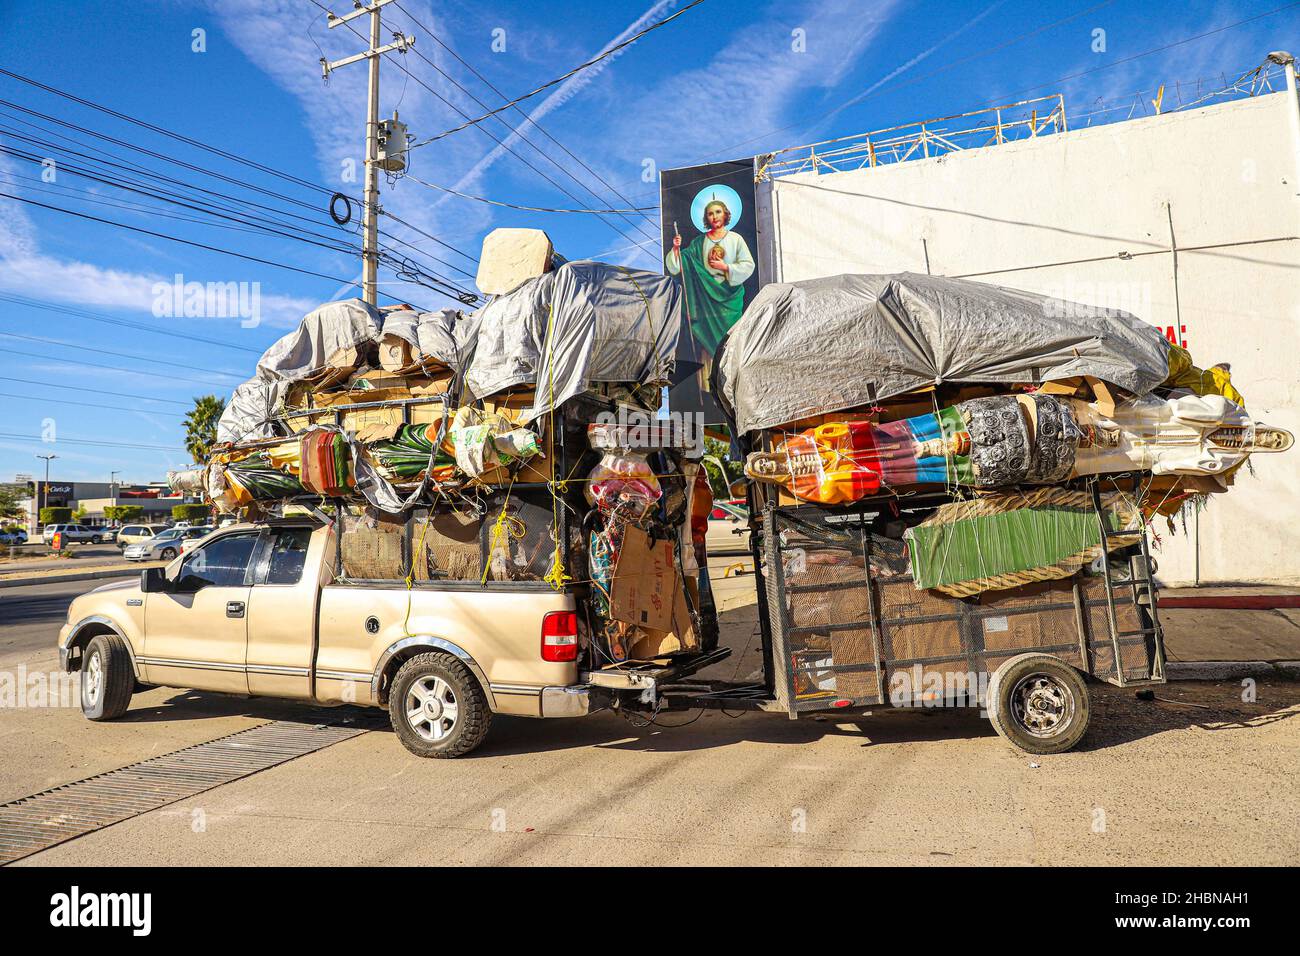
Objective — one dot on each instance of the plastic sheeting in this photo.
(335, 329)
(606, 323)
(836, 343)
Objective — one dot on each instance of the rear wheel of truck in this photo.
(1039, 703)
(107, 680)
(437, 707)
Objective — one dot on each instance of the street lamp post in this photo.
(45, 488)
(112, 483)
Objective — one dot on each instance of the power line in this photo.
(187, 242)
(167, 197)
(82, 388)
(538, 126)
(502, 143)
(494, 137)
(155, 175)
(518, 132)
(123, 323)
(65, 401)
(110, 368)
(129, 355)
(87, 441)
(198, 144)
(510, 205)
(560, 79)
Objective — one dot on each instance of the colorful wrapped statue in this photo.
(1009, 440)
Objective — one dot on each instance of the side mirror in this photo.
(154, 581)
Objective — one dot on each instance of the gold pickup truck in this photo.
(257, 609)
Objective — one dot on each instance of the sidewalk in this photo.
(58, 571)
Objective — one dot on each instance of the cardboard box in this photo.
(648, 591)
(645, 582)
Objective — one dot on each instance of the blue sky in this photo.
(724, 80)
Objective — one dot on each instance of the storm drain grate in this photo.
(45, 819)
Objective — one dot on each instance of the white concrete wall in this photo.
(1086, 216)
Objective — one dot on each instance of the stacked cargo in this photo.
(963, 441)
(454, 448)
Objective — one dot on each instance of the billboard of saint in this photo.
(709, 242)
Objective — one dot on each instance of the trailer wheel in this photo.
(437, 707)
(1039, 703)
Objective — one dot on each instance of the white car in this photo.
(73, 533)
(165, 545)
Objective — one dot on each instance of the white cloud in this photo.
(26, 270)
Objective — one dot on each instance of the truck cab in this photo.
(260, 609)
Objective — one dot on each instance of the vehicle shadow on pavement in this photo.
(710, 730)
(1120, 717)
(174, 705)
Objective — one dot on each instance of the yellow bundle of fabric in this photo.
(1183, 373)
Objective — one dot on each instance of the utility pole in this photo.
(370, 215)
(45, 489)
(112, 484)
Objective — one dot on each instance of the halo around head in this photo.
(723, 194)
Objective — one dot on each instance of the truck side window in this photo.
(222, 563)
(288, 555)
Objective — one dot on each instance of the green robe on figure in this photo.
(714, 300)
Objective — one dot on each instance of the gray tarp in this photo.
(435, 336)
(830, 344)
(607, 324)
(611, 324)
(322, 335)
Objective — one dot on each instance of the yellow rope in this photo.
(556, 577)
(410, 575)
(499, 529)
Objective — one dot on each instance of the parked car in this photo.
(110, 535)
(13, 536)
(73, 533)
(135, 533)
(163, 546)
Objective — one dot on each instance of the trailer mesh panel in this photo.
(843, 633)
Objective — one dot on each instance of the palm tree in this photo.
(201, 426)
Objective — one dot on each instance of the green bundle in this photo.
(405, 456)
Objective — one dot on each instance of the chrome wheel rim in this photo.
(1042, 705)
(432, 708)
(94, 679)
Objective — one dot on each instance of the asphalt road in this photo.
(1201, 777)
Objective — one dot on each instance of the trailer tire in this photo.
(107, 680)
(1039, 703)
(437, 707)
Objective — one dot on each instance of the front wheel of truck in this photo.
(437, 707)
(107, 681)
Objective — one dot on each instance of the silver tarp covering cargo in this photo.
(606, 323)
(825, 345)
(334, 334)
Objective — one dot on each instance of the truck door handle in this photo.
(234, 609)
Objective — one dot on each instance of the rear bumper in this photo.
(572, 701)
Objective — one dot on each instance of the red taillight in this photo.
(560, 637)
